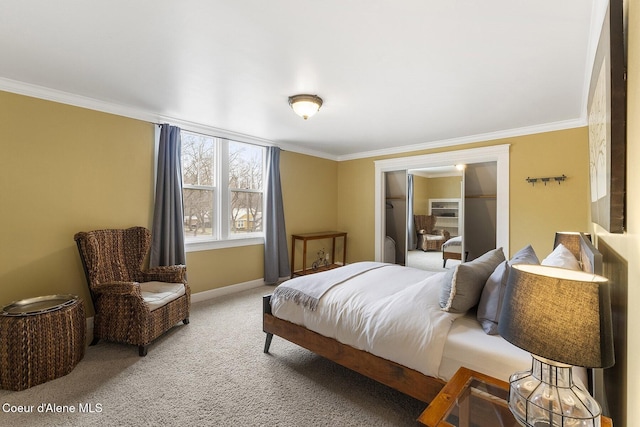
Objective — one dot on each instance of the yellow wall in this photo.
(433, 188)
(65, 169)
(536, 213)
(444, 188)
(355, 207)
(217, 268)
(62, 170)
(309, 186)
(420, 195)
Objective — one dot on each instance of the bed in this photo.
(389, 303)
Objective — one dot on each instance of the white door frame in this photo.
(494, 153)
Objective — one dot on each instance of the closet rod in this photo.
(481, 196)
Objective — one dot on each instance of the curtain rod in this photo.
(221, 137)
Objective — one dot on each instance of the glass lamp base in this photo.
(546, 396)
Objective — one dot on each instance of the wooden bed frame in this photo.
(394, 375)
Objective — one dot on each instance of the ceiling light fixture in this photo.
(305, 105)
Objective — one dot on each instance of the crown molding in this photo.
(48, 94)
(490, 136)
(54, 95)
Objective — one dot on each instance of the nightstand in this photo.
(473, 399)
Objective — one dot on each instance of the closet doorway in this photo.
(498, 154)
(435, 216)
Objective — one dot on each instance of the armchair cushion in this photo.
(157, 294)
(434, 237)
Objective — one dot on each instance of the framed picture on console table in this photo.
(606, 112)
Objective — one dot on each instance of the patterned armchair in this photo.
(428, 238)
(132, 305)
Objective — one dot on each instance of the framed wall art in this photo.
(606, 113)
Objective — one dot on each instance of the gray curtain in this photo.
(276, 255)
(167, 236)
(412, 238)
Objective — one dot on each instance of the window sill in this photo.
(221, 244)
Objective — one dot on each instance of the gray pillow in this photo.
(463, 285)
(493, 293)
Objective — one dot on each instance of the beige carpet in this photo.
(431, 260)
(212, 372)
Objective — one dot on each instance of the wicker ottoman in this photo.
(41, 339)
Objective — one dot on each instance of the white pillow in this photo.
(561, 257)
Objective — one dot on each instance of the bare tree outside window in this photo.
(246, 172)
(198, 181)
(217, 205)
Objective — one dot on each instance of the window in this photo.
(246, 175)
(222, 183)
(198, 185)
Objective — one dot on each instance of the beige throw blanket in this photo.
(307, 290)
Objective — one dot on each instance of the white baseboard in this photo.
(198, 297)
(226, 290)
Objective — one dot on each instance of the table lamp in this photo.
(563, 318)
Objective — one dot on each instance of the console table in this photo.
(333, 235)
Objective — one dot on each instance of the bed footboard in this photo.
(394, 375)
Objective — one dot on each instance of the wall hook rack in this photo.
(546, 179)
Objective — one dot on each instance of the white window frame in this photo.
(222, 237)
(226, 194)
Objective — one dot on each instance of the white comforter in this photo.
(391, 312)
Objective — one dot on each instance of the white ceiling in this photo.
(392, 74)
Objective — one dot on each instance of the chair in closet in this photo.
(429, 239)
